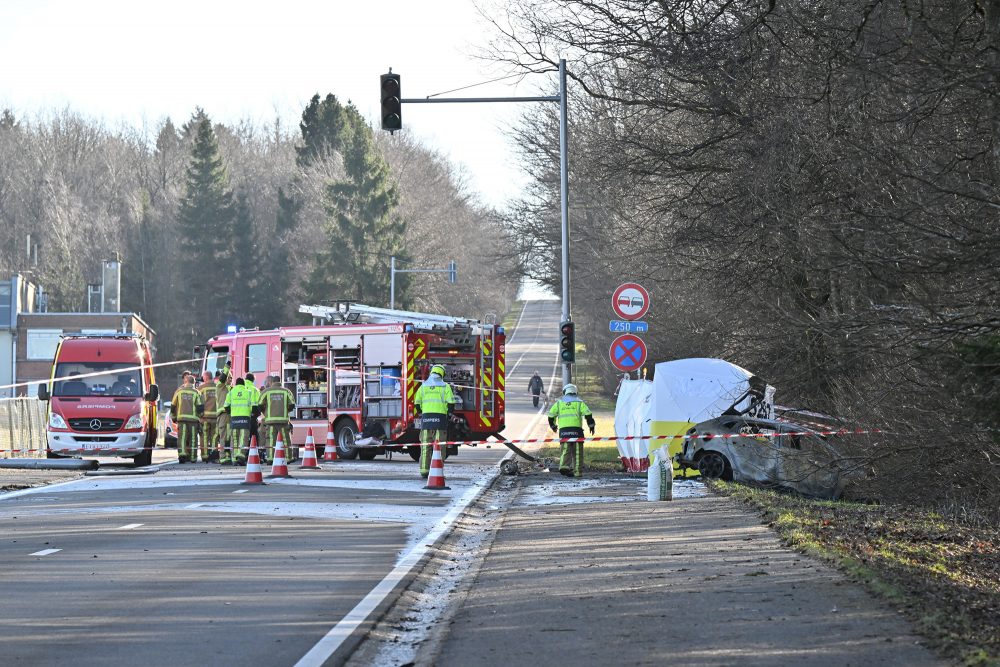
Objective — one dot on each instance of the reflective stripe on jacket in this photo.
(434, 399)
(209, 393)
(276, 403)
(569, 413)
(185, 404)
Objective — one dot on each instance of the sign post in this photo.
(630, 302)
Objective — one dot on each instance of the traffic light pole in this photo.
(567, 375)
(452, 272)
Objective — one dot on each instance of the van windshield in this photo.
(111, 379)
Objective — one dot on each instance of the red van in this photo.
(102, 397)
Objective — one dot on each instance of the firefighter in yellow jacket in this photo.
(222, 421)
(186, 407)
(276, 404)
(433, 401)
(239, 404)
(209, 417)
(566, 416)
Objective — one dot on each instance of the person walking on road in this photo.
(238, 403)
(222, 421)
(433, 401)
(276, 404)
(566, 416)
(535, 386)
(209, 418)
(186, 407)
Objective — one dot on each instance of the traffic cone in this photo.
(330, 453)
(254, 476)
(435, 480)
(309, 457)
(278, 467)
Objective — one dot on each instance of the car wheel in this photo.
(713, 465)
(144, 459)
(346, 433)
(367, 454)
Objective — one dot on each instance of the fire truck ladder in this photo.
(351, 313)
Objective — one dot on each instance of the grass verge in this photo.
(944, 576)
(510, 319)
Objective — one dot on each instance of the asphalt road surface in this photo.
(188, 566)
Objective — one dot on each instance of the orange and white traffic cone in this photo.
(254, 475)
(435, 479)
(279, 468)
(330, 453)
(309, 456)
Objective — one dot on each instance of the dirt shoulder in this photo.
(944, 576)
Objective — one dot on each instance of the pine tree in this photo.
(274, 311)
(247, 271)
(363, 228)
(325, 125)
(205, 230)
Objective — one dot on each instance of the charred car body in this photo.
(766, 452)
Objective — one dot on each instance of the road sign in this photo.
(628, 353)
(622, 326)
(630, 301)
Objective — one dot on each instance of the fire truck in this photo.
(357, 368)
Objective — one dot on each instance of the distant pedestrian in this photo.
(535, 386)
(566, 416)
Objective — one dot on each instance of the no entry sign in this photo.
(630, 301)
(628, 353)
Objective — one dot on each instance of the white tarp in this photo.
(681, 394)
(632, 419)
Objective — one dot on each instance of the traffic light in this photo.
(392, 110)
(567, 342)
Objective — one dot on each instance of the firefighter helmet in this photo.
(438, 369)
(569, 389)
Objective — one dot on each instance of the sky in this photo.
(138, 61)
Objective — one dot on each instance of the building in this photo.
(17, 295)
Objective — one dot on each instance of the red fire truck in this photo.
(356, 370)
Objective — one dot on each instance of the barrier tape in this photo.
(114, 371)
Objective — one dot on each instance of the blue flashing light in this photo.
(231, 328)
(499, 330)
(408, 328)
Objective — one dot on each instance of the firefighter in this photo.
(566, 416)
(186, 407)
(222, 421)
(248, 381)
(238, 403)
(209, 418)
(276, 402)
(433, 402)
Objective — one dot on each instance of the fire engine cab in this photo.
(357, 368)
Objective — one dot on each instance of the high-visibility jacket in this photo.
(569, 412)
(239, 401)
(186, 405)
(221, 392)
(254, 393)
(275, 403)
(434, 398)
(209, 393)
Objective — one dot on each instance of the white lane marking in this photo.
(193, 506)
(45, 552)
(325, 647)
(241, 490)
(130, 526)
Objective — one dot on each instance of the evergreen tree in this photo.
(274, 311)
(205, 228)
(247, 270)
(324, 126)
(363, 228)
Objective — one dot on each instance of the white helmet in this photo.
(569, 389)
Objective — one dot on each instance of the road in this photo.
(188, 566)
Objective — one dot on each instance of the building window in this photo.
(42, 343)
(5, 305)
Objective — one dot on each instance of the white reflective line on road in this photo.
(130, 526)
(325, 647)
(193, 506)
(241, 490)
(45, 552)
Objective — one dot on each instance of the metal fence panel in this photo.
(22, 428)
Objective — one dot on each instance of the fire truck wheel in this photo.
(367, 454)
(144, 459)
(345, 434)
(414, 452)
